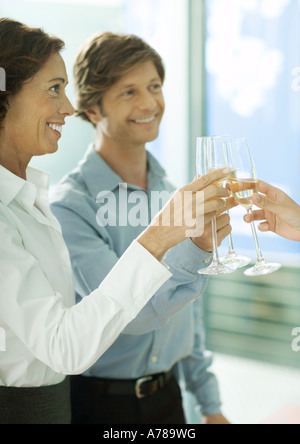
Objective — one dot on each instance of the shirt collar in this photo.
(98, 175)
(156, 172)
(13, 187)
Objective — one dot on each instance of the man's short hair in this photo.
(102, 60)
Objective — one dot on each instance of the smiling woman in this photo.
(46, 334)
(34, 98)
(36, 114)
(21, 68)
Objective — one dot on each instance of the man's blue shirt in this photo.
(100, 217)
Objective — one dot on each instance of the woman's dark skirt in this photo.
(43, 405)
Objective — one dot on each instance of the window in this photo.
(252, 66)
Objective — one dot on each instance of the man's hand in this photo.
(215, 419)
(205, 242)
(280, 213)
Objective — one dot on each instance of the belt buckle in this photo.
(139, 384)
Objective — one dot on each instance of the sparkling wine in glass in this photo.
(232, 259)
(243, 184)
(211, 155)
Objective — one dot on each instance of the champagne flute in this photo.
(243, 184)
(232, 259)
(211, 156)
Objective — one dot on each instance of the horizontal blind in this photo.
(254, 317)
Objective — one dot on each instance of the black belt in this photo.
(140, 388)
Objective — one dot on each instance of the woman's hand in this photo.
(280, 213)
(187, 213)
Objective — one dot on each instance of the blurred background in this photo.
(233, 67)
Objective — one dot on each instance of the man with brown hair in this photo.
(104, 204)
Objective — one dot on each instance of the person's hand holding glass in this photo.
(243, 184)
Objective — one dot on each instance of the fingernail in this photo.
(227, 170)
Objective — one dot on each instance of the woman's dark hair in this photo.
(23, 52)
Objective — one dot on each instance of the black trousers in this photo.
(42, 405)
(89, 407)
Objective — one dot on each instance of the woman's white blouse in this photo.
(43, 334)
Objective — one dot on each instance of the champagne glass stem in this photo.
(230, 242)
(215, 243)
(231, 246)
(257, 246)
(216, 267)
(232, 259)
